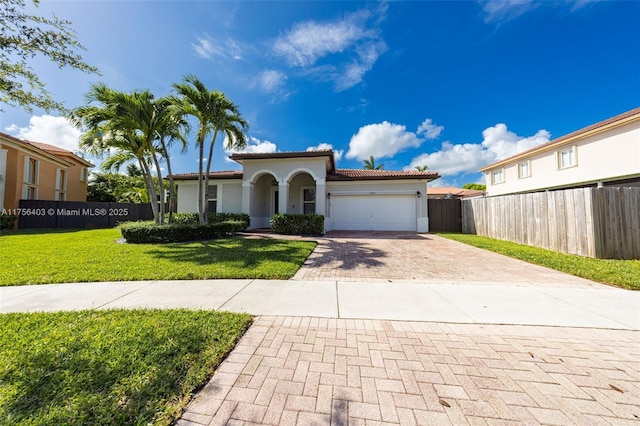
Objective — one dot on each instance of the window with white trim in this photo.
(61, 185)
(524, 169)
(308, 200)
(84, 174)
(497, 176)
(567, 158)
(30, 178)
(212, 201)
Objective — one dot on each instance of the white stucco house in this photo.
(308, 182)
(605, 153)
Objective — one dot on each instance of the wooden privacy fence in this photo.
(593, 222)
(444, 215)
(76, 214)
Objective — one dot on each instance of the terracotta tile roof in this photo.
(565, 138)
(455, 192)
(364, 174)
(225, 174)
(49, 148)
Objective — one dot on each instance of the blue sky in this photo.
(451, 85)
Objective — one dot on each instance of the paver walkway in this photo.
(407, 256)
(293, 370)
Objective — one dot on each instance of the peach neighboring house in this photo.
(39, 171)
(603, 154)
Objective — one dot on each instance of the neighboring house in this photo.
(449, 192)
(605, 153)
(308, 182)
(39, 171)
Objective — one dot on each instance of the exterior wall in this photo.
(300, 181)
(76, 188)
(14, 177)
(610, 155)
(382, 187)
(229, 196)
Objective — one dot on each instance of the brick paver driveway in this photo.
(319, 371)
(400, 256)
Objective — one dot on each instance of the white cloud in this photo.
(430, 130)
(254, 145)
(506, 10)
(56, 131)
(353, 46)
(337, 153)
(386, 139)
(354, 72)
(498, 143)
(207, 48)
(271, 80)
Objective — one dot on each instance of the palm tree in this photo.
(422, 168)
(215, 115)
(124, 127)
(370, 164)
(171, 127)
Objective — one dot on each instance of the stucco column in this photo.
(3, 175)
(247, 195)
(321, 197)
(283, 196)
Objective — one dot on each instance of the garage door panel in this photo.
(375, 212)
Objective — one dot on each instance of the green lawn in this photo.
(109, 367)
(621, 273)
(59, 256)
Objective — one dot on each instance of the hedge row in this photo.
(298, 224)
(7, 221)
(149, 232)
(192, 218)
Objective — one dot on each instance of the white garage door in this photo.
(373, 212)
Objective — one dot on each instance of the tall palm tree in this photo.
(215, 115)
(171, 127)
(122, 126)
(370, 164)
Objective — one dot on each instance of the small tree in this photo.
(477, 186)
(370, 164)
(22, 38)
(422, 168)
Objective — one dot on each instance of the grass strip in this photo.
(62, 256)
(109, 367)
(620, 273)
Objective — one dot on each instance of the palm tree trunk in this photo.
(151, 190)
(201, 214)
(160, 188)
(206, 182)
(172, 189)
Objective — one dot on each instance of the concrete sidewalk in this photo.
(598, 306)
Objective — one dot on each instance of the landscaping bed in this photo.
(109, 367)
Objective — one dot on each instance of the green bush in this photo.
(7, 221)
(149, 232)
(298, 224)
(192, 218)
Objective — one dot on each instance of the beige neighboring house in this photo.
(39, 171)
(449, 192)
(603, 154)
(308, 182)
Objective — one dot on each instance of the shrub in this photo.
(149, 232)
(7, 221)
(298, 224)
(192, 218)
